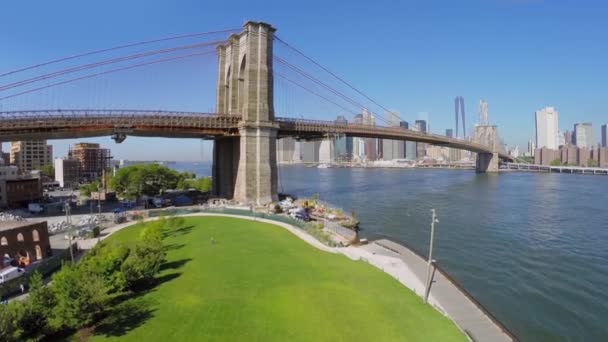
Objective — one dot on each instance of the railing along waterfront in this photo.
(487, 312)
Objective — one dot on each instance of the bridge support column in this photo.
(245, 87)
(256, 180)
(487, 161)
(226, 157)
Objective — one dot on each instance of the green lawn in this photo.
(259, 282)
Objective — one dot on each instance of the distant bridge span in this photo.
(70, 124)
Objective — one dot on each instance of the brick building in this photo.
(25, 242)
(18, 190)
(92, 160)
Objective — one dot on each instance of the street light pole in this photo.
(68, 221)
(430, 261)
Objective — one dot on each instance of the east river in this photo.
(532, 248)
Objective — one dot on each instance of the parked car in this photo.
(35, 208)
(10, 273)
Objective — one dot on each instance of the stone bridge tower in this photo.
(245, 167)
(488, 136)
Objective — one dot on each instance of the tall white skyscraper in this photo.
(583, 135)
(483, 113)
(547, 128)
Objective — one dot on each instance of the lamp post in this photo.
(68, 221)
(430, 262)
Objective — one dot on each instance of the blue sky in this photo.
(413, 56)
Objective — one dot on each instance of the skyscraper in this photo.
(421, 147)
(483, 113)
(459, 109)
(371, 144)
(583, 135)
(449, 133)
(344, 144)
(568, 137)
(421, 125)
(605, 135)
(358, 143)
(547, 128)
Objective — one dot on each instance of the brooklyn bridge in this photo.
(244, 126)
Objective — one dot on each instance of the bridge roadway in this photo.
(69, 124)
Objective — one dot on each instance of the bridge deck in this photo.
(65, 124)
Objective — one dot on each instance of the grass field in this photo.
(258, 282)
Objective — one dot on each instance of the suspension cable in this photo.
(324, 85)
(313, 92)
(332, 74)
(105, 73)
(118, 48)
(105, 62)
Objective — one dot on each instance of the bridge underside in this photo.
(108, 131)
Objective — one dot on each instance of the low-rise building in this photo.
(18, 190)
(25, 242)
(67, 172)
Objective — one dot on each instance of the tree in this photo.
(202, 184)
(37, 309)
(86, 189)
(80, 299)
(150, 180)
(144, 263)
(10, 317)
(556, 162)
(105, 260)
(48, 171)
(592, 163)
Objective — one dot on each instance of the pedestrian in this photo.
(22, 287)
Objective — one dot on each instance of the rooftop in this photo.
(8, 225)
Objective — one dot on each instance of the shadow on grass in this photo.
(178, 232)
(174, 246)
(125, 317)
(131, 311)
(173, 265)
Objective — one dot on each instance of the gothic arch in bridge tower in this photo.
(241, 91)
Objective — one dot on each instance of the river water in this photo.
(532, 248)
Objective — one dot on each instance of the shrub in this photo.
(144, 262)
(79, 299)
(10, 317)
(36, 309)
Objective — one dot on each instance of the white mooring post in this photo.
(430, 261)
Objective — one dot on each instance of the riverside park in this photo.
(230, 279)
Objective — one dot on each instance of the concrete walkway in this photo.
(445, 295)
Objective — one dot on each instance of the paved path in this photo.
(446, 295)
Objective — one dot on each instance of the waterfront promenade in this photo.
(446, 296)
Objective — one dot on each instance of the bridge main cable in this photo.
(106, 72)
(118, 48)
(106, 62)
